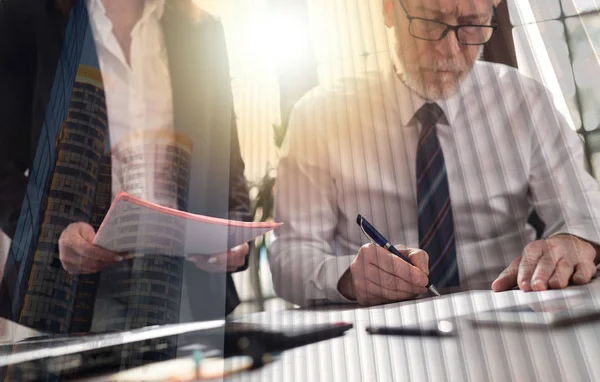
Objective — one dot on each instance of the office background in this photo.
(279, 49)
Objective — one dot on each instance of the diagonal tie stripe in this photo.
(449, 243)
(451, 271)
(433, 158)
(428, 129)
(435, 184)
(443, 213)
(434, 207)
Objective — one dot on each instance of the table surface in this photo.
(474, 354)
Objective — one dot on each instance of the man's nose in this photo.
(449, 45)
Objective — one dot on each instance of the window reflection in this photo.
(584, 39)
(532, 61)
(575, 7)
(541, 10)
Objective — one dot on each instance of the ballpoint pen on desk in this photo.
(443, 328)
(372, 234)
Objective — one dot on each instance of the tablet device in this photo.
(67, 356)
(78, 356)
(543, 314)
(256, 339)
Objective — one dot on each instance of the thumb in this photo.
(87, 232)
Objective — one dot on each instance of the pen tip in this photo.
(358, 219)
(434, 290)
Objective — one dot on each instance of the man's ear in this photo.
(388, 13)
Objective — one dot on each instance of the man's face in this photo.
(434, 69)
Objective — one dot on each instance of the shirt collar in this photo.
(407, 102)
(153, 7)
(102, 24)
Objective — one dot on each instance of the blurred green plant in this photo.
(262, 206)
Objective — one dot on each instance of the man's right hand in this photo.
(377, 276)
(77, 253)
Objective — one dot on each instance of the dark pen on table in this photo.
(374, 236)
(443, 328)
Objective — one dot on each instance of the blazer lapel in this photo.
(202, 111)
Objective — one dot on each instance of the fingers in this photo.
(392, 264)
(213, 264)
(375, 293)
(74, 265)
(78, 237)
(236, 257)
(551, 263)
(560, 277)
(223, 262)
(418, 258)
(584, 272)
(390, 282)
(542, 273)
(529, 259)
(508, 278)
(121, 256)
(78, 254)
(86, 231)
(379, 276)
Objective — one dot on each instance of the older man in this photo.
(447, 156)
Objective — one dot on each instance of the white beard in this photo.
(437, 91)
(447, 84)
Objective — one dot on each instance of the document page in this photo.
(136, 226)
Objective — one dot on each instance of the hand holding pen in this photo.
(376, 238)
(378, 276)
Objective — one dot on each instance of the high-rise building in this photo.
(87, 284)
(153, 165)
(50, 298)
(18, 268)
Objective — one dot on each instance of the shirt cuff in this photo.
(580, 235)
(332, 271)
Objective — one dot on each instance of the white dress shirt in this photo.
(138, 95)
(139, 102)
(352, 148)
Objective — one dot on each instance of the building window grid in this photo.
(40, 176)
(591, 146)
(26, 237)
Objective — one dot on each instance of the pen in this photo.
(443, 329)
(372, 234)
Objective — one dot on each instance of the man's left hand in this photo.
(229, 261)
(549, 263)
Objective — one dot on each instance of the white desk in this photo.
(569, 354)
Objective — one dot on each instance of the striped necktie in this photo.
(436, 227)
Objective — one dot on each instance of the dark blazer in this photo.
(31, 36)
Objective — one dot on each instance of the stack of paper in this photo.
(136, 226)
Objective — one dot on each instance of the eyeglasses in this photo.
(433, 30)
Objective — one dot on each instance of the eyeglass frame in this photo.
(455, 28)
